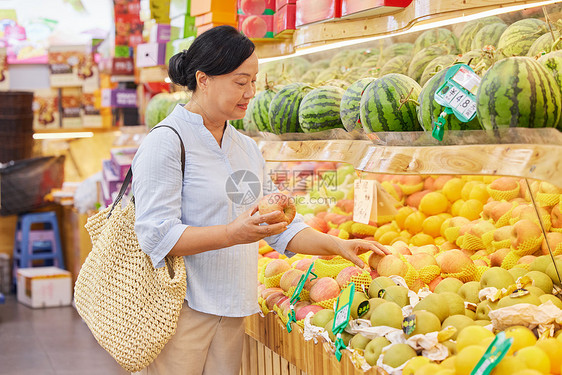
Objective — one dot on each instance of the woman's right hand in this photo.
(246, 228)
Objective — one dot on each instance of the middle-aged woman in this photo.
(201, 218)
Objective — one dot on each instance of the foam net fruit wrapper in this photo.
(331, 267)
(529, 246)
(364, 279)
(505, 218)
(452, 234)
(479, 257)
(544, 218)
(429, 273)
(548, 200)
(304, 295)
(480, 271)
(506, 195)
(273, 281)
(365, 256)
(496, 245)
(487, 239)
(327, 303)
(466, 275)
(471, 242)
(510, 260)
(411, 189)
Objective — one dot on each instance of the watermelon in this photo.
(328, 74)
(296, 67)
(518, 92)
(436, 65)
(371, 62)
(381, 100)
(284, 108)
(354, 74)
(489, 35)
(429, 110)
(398, 64)
(320, 64)
(424, 57)
(310, 76)
(178, 97)
(518, 38)
(472, 28)
(157, 108)
(553, 62)
(339, 59)
(349, 107)
(437, 36)
(259, 108)
(544, 44)
(320, 109)
(396, 49)
(238, 124)
(341, 83)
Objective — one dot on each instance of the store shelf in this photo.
(418, 13)
(525, 153)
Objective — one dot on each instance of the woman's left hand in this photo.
(350, 248)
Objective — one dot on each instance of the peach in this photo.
(556, 216)
(302, 312)
(285, 306)
(554, 239)
(504, 184)
(503, 233)
(415, 199)
(524, 230)
(420, 260)
(481, 227)
(274, 299)
(426, 249)
(290, 278)
(433, 284)
(497, 257)
(440, 182)
(334, 232)
(448, 246)
(500, 209)
(261, 288)
(303, 264)
(411, 179)
(488, 208)
(428, 184)
(392, 265)
(276, 267)
(480, 262)
(336, 219)
(527, 259)
(528, 212)
(401, 248)
(325, 288)
(374, 274)
(272, 254)
(548, 188)
(345, 204)
(269, 291)
(345, 275)
(453, 261)
(374, 260)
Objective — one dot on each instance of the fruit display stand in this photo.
(529, 154)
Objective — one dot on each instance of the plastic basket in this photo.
(25, 183)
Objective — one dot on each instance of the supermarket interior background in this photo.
(430, 127)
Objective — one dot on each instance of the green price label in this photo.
(409, 324)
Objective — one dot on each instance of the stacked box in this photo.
(71, 107)
(285, 20)
(151, 54)
(256, 18)
(365, 8)
(111, 182)
(119, 98)
(46, 109)
(44, 287)
(317, 11)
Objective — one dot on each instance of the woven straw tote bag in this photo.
(131, 308)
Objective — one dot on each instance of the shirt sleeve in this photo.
(157, 188)
(280, 241)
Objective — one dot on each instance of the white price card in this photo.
(458, 100)
(467, 79)
(363, 198)
(342, 316)
(449, 93)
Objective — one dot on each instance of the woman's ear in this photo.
(202, 80)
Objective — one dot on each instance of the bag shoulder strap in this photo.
(129, 176)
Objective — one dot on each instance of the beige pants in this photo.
(204, 344)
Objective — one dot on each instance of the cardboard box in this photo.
(44, 287)
(285, 19)
(201, 29)
(46, 109)
(119, 98)
(185, 26)
(122, 66)
(71, 107)
(200, 7)
(256, 27)
(160, 10)
(91, 116)
(160, 33)
(312, 11)
(111, 182)
(66, 64)
(151, 54)
(256, 8)
(365, 8)
(91, 83)
(179, 7)
(121, 160)
(177, 46)
(216, 17)
(281, 3)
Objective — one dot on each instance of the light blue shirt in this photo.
(219, 184)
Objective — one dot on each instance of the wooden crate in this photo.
(270, 349)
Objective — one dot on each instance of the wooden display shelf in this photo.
(417, 13)
(269, 349)
(526, 153)
(74, 130)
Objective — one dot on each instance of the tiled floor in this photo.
(52, 341)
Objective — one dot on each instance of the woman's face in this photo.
(229, 94)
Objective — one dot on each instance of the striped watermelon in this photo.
(238, 124)
(259, 108)
(553, 62)
(518, 92)
(310, 76)
(436, 65)
(320, 109)
(488, 35)
(470, 30)
(356, 73)
(396, 49)
(398, 64)
(381, 100)
(437, 36)
(424, 57)
(518, 38)
(371, 62)
(328, 74)
(429, 110)
(349, 107)
(284, 108)
(339, 59)
(544, 44)
(320, 64)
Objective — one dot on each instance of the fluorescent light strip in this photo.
(63, 135)
(416, 28)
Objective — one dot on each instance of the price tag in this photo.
(493, 355)
(363, 198)
(409, 324)
(341, 319)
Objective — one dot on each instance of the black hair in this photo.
(220, 50)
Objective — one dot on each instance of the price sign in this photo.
(341, 319)
(364, 196)
(458, 95)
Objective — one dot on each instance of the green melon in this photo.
(437, 36)
(423, 58)
(238, 124)
(472, 28)
(351, 99)
(310, 76)
(371, 62)
(284, 108)
(429, 110)
(384, 105)
(488, 35)
(544, 44)
(396, 49)
(518, 38)
(436, 65)
(518, 92)
(398, 64)
(320, 109)
(259, 108)
(157, 108)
